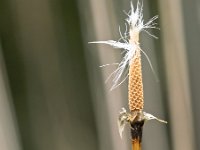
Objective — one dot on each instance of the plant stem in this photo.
(136, 133)
(136, 145)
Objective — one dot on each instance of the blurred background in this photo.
(53, 94)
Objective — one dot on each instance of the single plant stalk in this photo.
(136, 100)
(135, 93)
(136, 133)
(136, 145)
(132, 59)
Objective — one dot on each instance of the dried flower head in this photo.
(132, 62)
(130, 41)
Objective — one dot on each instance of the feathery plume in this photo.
(131, 42)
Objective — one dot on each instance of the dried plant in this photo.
(132, 61)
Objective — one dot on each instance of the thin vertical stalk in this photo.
(136, 133)
(132, 60)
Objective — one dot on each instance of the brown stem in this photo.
(136, 133)
(136, 145)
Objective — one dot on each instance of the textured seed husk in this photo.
(135, 87)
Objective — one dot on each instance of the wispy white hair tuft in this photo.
(136, 25)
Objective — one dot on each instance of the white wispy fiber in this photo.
(130, 41)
